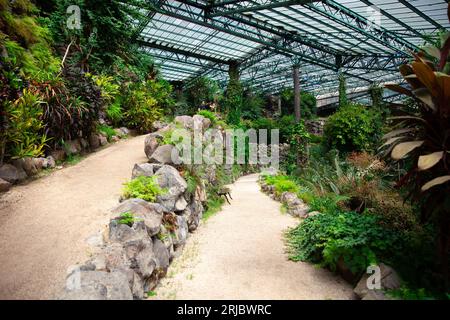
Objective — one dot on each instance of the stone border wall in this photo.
(20, 170)
(132, 258)
(389, 278)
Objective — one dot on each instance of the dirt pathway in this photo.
(44, 224)
(239, 254)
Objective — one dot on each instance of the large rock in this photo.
(145, 169)
(26, 164)
(58, 155)
(10, 173)
(146, 213)
(181, 232)
(170, 180)
(151, 143)
(166, 237)
(125, 131)
(49, 163)
(186, 121)
(157, 125)
(134, 258)
(161, 255)
(200, 123)
(295, 206)
(103, 140)
(73, 146)
(40, 163)
(97, 285)
(200, 193)
(4, 185)
(389, 280)
(137, 245)
(180, 204)
(193, 214)
(166, 154)
(94, 141)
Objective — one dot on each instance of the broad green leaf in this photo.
(402, 149)
(435, 182)
(428, 161)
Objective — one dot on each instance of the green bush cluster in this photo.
(355, 238)
(209, 115)
(103, 74)
(107, 130)
(142, 187)
(24, 127)
(353, 128)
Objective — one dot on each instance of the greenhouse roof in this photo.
(365, 39)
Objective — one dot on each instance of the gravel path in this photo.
(239, 254)
(45, 223)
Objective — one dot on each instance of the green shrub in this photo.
(201, 90)
(353, 128)
(23, 132)
(114, 112)
(142, 187)
(285, 125)
(209, 115)
(127, 218)
(298, 141)
(141, 109)
(252, 105)
(106, 130)
(328, 237)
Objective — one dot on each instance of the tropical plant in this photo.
(141, 108)
(421, 139)
(24, 126)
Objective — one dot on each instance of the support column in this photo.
(296, 75)
(279, 105)
(234, 95)
(233, 71)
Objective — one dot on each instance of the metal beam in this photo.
(165, 47)
(241, 30)
(271, 4)
(352, 20)
(421, 14)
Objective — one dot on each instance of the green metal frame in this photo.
(331, 37)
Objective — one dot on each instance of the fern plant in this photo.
(142, 187)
